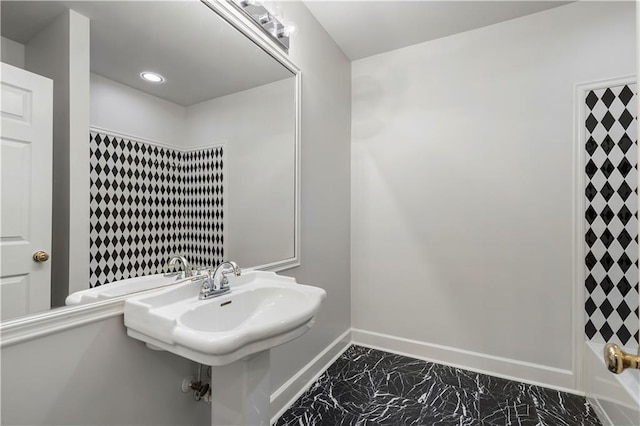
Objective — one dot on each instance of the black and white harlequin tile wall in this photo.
(201, 235)
(611, 215)
(148, 202)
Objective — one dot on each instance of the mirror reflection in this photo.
(131, 132)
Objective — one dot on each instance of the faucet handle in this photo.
(224, 281)
(207, 284)
(172, 272)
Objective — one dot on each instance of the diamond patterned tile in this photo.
(611, 214)
(589, 329)
(148, 202)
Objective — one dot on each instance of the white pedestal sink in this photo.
(233, 333)
(243, 391)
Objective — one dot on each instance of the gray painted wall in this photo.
(466, 170)
(12, 52)
(96, 375)
(326, 195)
(48, 54)
(61, 52)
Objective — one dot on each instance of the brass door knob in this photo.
(618, 360)
(40, 256)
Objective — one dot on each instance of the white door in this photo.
(26, 108)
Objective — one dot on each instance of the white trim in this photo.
(511, 369)
(284, 397)
(221, 144)
(58, 320)
(146, 141)
(578, 276)
(295, 261)
(280, 265)
(157, 143)
(608, 82)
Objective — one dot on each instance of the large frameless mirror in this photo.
(108, 171)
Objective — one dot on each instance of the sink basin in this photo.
(262, 310)
(120, 288)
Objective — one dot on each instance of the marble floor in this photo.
(369, 387)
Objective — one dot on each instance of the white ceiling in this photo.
(201, 56)
(367, 27)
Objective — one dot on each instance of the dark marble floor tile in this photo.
(392, 410)
(356, 372)
(393, 362)
(302, 416)
(490, 385)
(367, 387)
(549, 418)
(336, 393)
(500, 410)
(348, 396)
(357, 353)
(328, 401)
(562, 409)
(456, 377)
(386, 361)
(443, 404)
(443, 419)
(451, 402)
(406, 385)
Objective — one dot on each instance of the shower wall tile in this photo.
(202, 233)
(611, 215)
(144, 200)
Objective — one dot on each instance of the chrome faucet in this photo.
(217, 283)
(176, 260)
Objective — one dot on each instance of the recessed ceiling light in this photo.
(152, 77)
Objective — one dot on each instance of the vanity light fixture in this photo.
(269, 18)
(152, 77)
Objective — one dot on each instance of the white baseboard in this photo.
(293, 388)
(600, 412)
(511, 369)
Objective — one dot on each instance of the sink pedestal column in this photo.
(241, 392)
